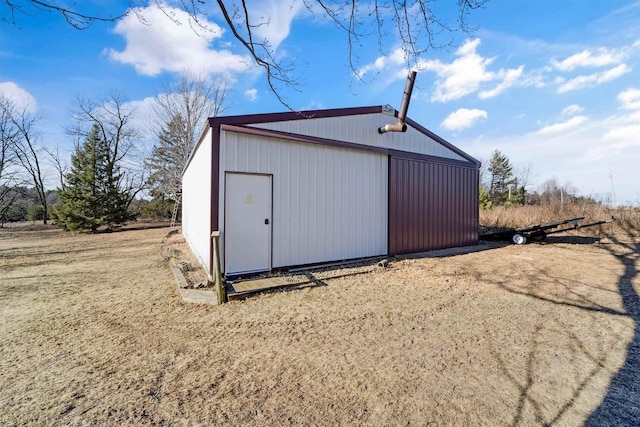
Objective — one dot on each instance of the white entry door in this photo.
(247, 239)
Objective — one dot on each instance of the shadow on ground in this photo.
(131, 226)
(573, 240)
(621, 405)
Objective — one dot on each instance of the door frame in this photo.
(224, 240)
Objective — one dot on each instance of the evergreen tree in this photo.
(168, 159)
(181, 109)
(501, 185)
(485, 201)
(92, 197)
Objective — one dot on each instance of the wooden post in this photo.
(217, 274)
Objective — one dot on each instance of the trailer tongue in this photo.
(539, 232)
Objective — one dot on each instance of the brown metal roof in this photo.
(249, 119)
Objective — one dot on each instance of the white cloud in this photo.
(467, 73)
(572, 109)
(603, 140)
(572, 123)
(464, 76)
(624, 129)
(144, 111)
(618, 138)
(510, 77)
(601, 58)
(145, 121)
(21, 97)
(461, 77)
(630, 99)
(272, 19)
(585, 152)
(627, 134)
(162, 44)
(594, 79)
(251, 94)
(463, 118)
(393, 60)
(313, 105)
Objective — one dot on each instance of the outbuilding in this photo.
(311, 187)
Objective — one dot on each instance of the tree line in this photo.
(503, 185)
(109, 168)
(106, 173)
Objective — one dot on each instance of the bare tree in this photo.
(483, 175)
(25, 146)
(522, 181)
(523, 175)
(415, 24)
(181, 110)
(8, 137)
(552, 192)
(113, 116)
(56, 160)
(194, 98)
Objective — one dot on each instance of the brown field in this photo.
(93, 333)
(627, 219)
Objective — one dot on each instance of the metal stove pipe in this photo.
(400, 125)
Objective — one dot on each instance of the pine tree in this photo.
(485, 201)
(501, 179)
(92, 197)
(168, 159)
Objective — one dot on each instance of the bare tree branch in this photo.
(8, 138)
(78, 20)
(275, 71)
(113, 115)
(58, 163)
(25, 147)
(411, 24)
(181, 110)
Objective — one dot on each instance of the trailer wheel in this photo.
(519, 239)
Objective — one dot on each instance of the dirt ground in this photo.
(92, 332)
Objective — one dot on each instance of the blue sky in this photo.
(555, 85)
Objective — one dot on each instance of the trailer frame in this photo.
(539, 232)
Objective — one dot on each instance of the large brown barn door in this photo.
(431, 205)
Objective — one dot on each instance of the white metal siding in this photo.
(196, 202)
(363, 129)
(328, 203)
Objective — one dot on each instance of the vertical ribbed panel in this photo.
(431, 206)
(196, 202)
(364, 130)
(328, 203)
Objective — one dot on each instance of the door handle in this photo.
(266, 221)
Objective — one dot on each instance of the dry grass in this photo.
(627, 219)
(93, 333)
